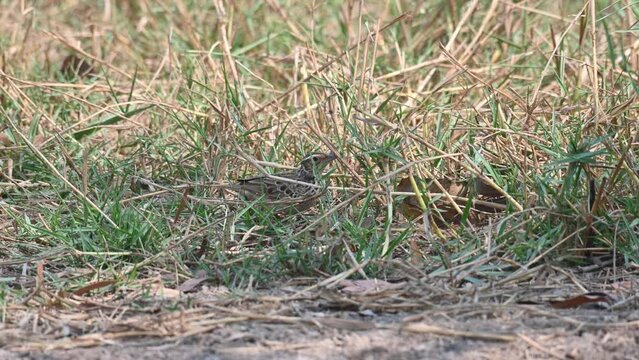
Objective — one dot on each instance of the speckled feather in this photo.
(283, 194)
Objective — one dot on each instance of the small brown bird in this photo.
(410, 208)
(486, 199)
(290, 189)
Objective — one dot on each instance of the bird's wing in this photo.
(271, 189)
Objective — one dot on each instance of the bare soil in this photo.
(346, 320)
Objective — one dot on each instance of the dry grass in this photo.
(116, 174)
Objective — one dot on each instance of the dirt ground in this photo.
(280, 342)
(537, 337)
(366, 319)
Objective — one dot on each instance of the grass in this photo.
(189, 97)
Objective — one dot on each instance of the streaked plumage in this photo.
(289, 189)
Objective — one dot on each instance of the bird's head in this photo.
(316, 161)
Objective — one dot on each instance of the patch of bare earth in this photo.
(424, 318)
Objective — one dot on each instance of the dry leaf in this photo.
(191, 284)
(583, 299)
(160, 292)
(93, 286)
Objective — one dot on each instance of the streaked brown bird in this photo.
(296, 189)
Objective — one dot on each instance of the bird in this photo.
(486, 199)
(284, 191)
(409, 205)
